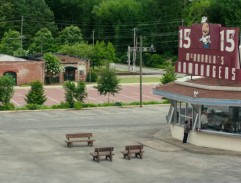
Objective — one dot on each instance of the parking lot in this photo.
(33, 149)
(56, 94)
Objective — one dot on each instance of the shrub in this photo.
(91, 76)
(8, 106)
(36, 94)
(78, 105)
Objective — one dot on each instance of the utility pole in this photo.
(21, 36)
(140, 49)
(129, 58)
(140, 71)
(134, 51)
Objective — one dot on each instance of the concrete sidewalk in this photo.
(33, 149)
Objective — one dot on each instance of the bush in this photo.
(91, 76)
(8, 106)
(78, 105)
(36, 94)
(33, 106)
(62, 105)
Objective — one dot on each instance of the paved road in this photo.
(33, 149)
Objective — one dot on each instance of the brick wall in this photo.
(26, 71)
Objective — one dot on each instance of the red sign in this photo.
(209, 50)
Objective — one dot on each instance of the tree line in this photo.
(41, 26)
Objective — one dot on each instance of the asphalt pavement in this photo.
(33, 149)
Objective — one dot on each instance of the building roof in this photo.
(8, 58)
(210, 92)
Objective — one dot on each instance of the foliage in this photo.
(7, 107)
(10, 42)
(103, 54)
(36, 94)
(35, 13)
(43, 42)
(52, 65)
(7, 83)
(226, 12)
(169, 76)
(70, 35)
(74, 92)
(78, 105)
(91, 76)
(108, 83)
(195, 10)
(82, 50)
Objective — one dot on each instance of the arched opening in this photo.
(69, 73)
(13, 74)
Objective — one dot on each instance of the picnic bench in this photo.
(79, 137)
(102, 151)
(133, 149)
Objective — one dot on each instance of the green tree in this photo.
(36, 94)
(52, 65)
(36, 15)
(103, 53)
(226, 12)
(10, 42)
(6, 10)
(70, 35)
(6, 89)
(82, 50)
(170, 75)
(108, 83)
(43, 42)
(74, 92)
(195, 10)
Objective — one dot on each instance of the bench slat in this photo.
(103, 151)
(78, 137)
(133, 149)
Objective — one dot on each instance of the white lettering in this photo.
(202, 70)
(195, 58)
(214, 72)
(220, 72)
(202, 58)
(214, 59)
(233, 73)
(184, 67)
(198, 57)
(196, 69)
(226, 72)
(206, 58)
(190, 68)
(179, 67)
(222, 60)
(208, 70)
(187, 56)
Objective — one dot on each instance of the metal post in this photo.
(140, 71)
(134, 49)
(129, 58)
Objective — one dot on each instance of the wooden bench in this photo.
(103, 151)
(133, 149)
(79, 137)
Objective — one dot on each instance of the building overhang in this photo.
(205, 96)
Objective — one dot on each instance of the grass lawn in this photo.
(155, 79)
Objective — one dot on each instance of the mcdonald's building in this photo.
(209, 97)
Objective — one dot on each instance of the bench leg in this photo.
(98, 159)
(129, 156)
(141, 155)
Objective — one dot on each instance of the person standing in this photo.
(186, 131)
